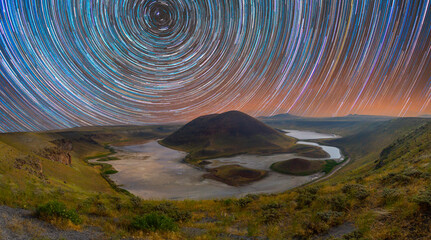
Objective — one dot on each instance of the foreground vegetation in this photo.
(383, 192)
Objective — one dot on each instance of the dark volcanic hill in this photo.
(227, 134)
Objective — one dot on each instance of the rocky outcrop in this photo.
(63, 144)
(31, 164)
(60, 153)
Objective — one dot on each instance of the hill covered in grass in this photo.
(231, 133)
(382, 193)
(39, 166)
(303, 167)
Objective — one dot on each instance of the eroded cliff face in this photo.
(60, 153)
(31, 164)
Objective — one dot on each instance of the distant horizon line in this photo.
(180, 122)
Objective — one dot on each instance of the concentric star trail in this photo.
(66, 63)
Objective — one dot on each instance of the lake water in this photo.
(152, 171)
(308, 135)
(334, 152)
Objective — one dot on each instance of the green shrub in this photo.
(414, 173)
(329, 215)
(172, 211)
(136, 202)
(396, 178)
(355, 235)
(390, 196)
(304, 199)
(227, 202)
(271, 215)
(154, 222)
(338, 203)
(110, 171)
(55, 209)
(357, 191)
(423, 199)
(271, 212)
(311, 190)
(243, 202)
(403, 178)
(253, 196)
(329, 165)
(273, 205)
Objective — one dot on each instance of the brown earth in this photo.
(235, 175)
(298, 166)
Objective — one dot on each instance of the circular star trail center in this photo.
(104, 62)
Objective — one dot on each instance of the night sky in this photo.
(66, 63)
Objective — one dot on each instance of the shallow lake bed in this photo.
(152, 171)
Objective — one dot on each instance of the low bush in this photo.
(272, 205)
(338, 203)
(423, 199)
(253, 196)
(355, 235)
(328, 216)
(227, 202)
(135, 202)
(304, 199)
(396, 178)
(172, 211)
(329, 165)
(243, 202)
(271, 215)
(57, 210)
(390, 196)
(403, 178)
(154, 222)
(357, 191)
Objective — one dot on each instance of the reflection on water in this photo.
(333, 152)
(152, 171)
(308, 135)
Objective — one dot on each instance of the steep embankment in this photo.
(40, 166)
(378, 135)
(232, 133)
(386, 194)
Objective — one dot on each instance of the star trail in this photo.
(67, 63)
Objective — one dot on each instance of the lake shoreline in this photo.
(152, 171)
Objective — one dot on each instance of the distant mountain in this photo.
(425, 116)
(350, 117)
(283, 116)
(364, 117)
(230, 133)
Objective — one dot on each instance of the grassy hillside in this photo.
(343, 126)
(232, 133)
(383, 193)
(32, 171)
(374, 137)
